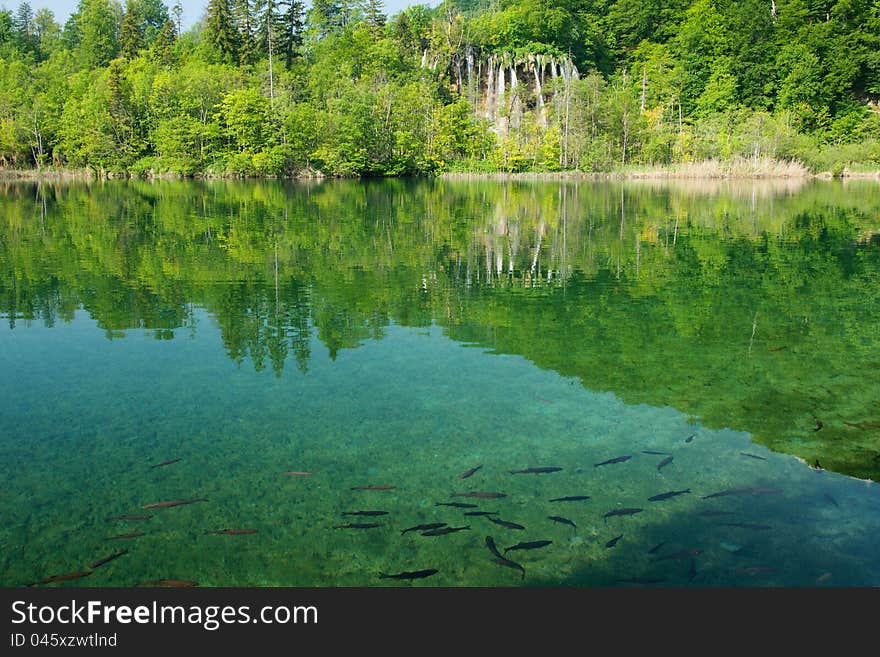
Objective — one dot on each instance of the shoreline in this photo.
(688, 173)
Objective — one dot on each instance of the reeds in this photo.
(763, 167)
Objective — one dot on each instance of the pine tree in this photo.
(177, 10)
(373, 14)
(326, 16)
(291, 28)
(245, 19)
(24, 19)
(220, 30)
(267, 20)
(163, 45)
(24, 27)
(131, 35)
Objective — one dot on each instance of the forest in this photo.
(275, 88)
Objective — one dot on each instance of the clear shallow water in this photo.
(391, 368)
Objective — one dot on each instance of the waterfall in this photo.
(490, 88)
(499, 103)
(537, 67)
(515, 105)
(501, 114)
(469, 60)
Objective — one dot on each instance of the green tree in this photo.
(163, 45)
(25, 28)
(7, 28)
(291, 27)
(630, 22)
(220, 30)
(751, 42)
(244, 116)
(247, 23)
(720, 92)
(131, 36)
(47, 32)
(153, 16)
(701, 39)
(374, 14)
(94, 26)
(327, 16)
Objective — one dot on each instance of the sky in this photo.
(192, 9)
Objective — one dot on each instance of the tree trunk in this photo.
(644, 85)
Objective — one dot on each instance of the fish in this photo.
(571, 498)
(690, 438)
(529, 545)
(164, 463)
(468, 473)
(298, 473)
(365, 513)
(753, 456)
(861, 425)
(653, 453)
(666, 496)
(626, 511)
(358, 525)
(641, 580)
(619, 459)
(442, 531)
(143, 516)
(232, 532)
(778, 348)
(664, 463)
(821, 579)
(422, 528)
(684, 554)
(654, 549)
(746, 525)
(481, 513)
(62, 578)
(414, 574)
(613, 541)
(755, 570)
(170, 503)
(108, 559)
(373, 487)
(457, 505)
(481, 496)
(123, 536)
(511, 564)
(175, 583)
(564, 521)
(743, 491)
(712, 514)
(832, 500)
(542, 470)
(501, 560)
(504, 523)
(819, 425)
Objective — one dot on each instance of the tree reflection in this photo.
(750, 306)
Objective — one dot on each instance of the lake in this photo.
(319, 367)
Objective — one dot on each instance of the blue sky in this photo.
(192, 9)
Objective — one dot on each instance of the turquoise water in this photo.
(382, 377)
